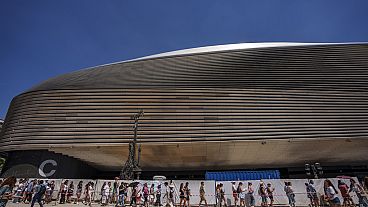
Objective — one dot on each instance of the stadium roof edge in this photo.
(225, 47)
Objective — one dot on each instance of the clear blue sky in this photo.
(40, 39)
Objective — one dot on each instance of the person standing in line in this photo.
(263, 194)
(105, 194)
(252, 201)
(115, 189)
(222, 195)
(19, 191)
(269, 191)
(79, 192)
(70, 192)
(63, 191)
(182, 195)
(166, 194)
(86, 194)
(331, 193)
(359, 191)
(313, 194)
(6, 190)
(234, 189)
(49, 191)
(122, 192)
(145, 194)
(158, 195)
(290, 193)
(241, 191)
(90, 193)
(133, 198)
(202, 195)
(171, 195)
(309, 194)
(217, 195)
(110, 195)
(152, 194)
(187, 194)
(40, 190)
(102, 190)
(29, 191)
(344, 189)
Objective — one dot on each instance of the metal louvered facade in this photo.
(308, 93)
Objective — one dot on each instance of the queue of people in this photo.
(243, 195)
(32, 191)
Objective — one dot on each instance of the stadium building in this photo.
(227, 107)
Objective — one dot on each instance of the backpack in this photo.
(42, 190)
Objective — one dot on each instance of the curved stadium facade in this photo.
(241, 106)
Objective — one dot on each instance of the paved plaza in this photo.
(52, 204)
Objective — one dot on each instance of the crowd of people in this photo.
(119, 193)
(244, 195)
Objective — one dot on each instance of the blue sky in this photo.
(40, 39)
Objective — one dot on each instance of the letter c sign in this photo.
(42, 166)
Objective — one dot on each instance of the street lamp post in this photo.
(131, 166)
(314, 169)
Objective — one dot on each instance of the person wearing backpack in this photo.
(40, 190)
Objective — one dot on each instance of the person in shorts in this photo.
(222, 195)
(187, 194)
(79, 191)
(70, 192)
(344, 189)
(241, 190)
(252, 201)
(145, 195)
(234, 190)
(312, 194)
(331, 194)
(262, 192)
(202, 194)
(270, 191)
(181, 195)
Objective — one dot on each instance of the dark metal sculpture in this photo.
(131, 166)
